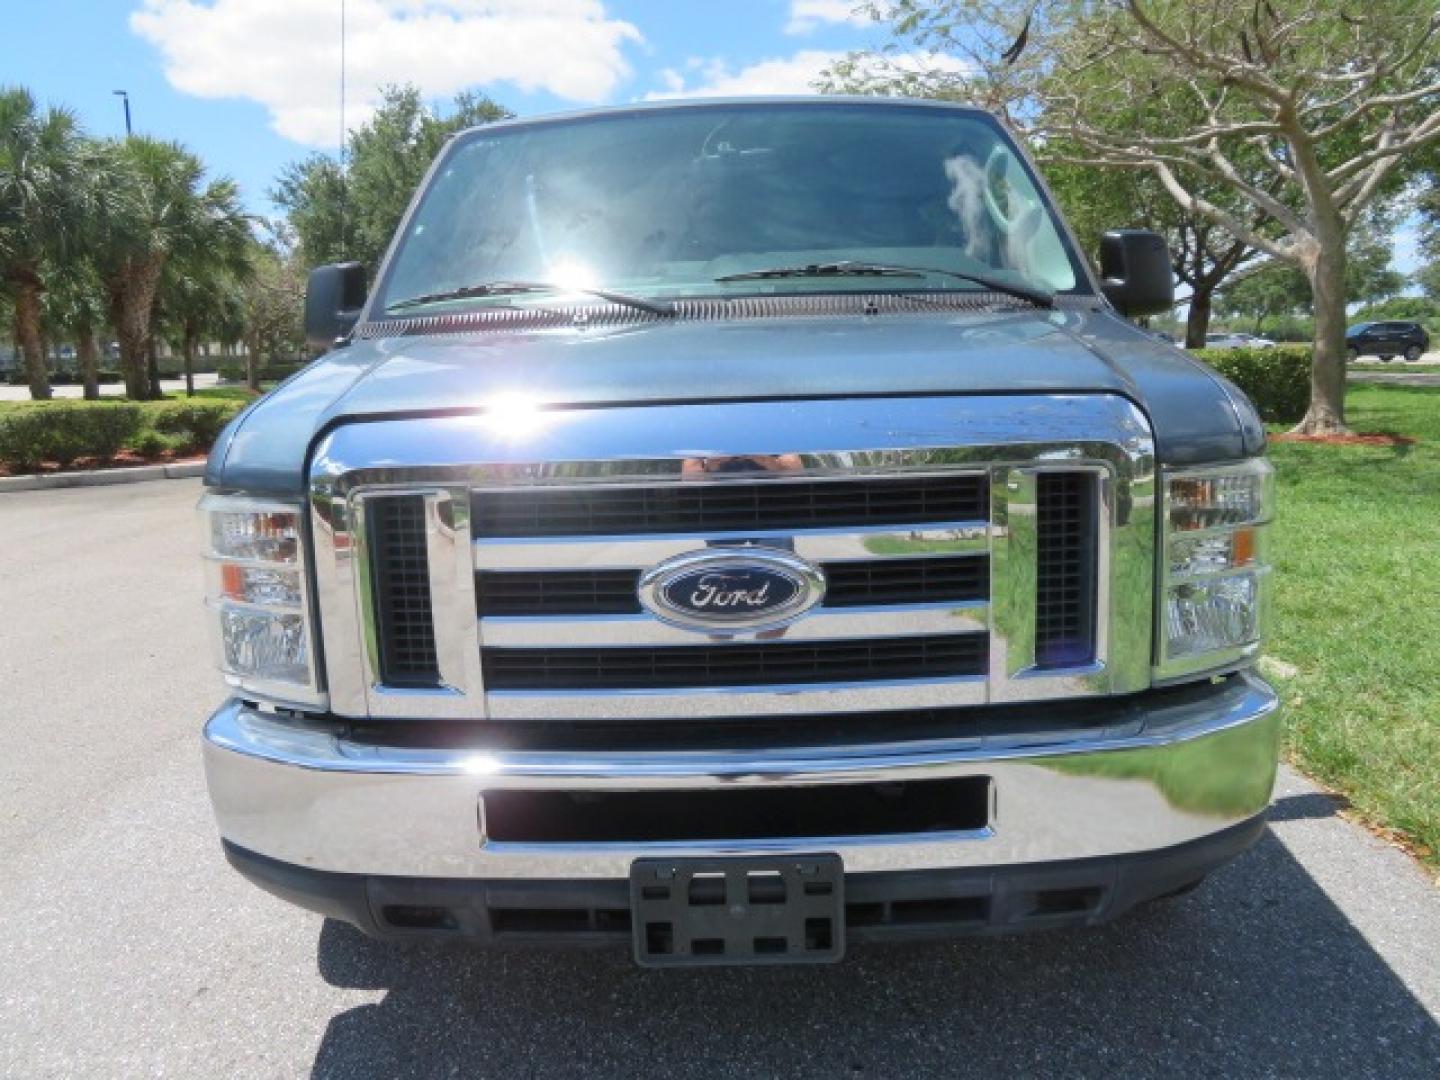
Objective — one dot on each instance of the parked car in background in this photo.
(1226, 340)
(1387, 340)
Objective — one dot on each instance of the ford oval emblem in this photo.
(728, 589)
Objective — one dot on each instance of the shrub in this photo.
(194, 423)
(273, 372)
(62, 431)
(1276, 379)
(150, 443)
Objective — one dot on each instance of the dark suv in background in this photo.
(1387, 340)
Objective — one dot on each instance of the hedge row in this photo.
(268, 372)
(64, 431)
(1276, 379)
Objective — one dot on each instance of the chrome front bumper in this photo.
(1191, 766)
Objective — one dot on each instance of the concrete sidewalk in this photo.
(168, 386)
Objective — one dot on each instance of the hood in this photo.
(1197, 417)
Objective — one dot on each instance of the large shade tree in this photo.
(996, 71)
(1330, 98)
(1276, 290)
(352, 213)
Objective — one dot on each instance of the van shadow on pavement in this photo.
(1257, 972)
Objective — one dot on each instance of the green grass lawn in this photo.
(1357, 548)
(1397, 369)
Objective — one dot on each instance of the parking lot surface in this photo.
(128, 948)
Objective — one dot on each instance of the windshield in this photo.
(662, 203)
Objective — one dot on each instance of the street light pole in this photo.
(125, 96)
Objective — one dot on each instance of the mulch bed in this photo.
(124, 460)
(1357, 438)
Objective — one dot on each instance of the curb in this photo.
(103, 477)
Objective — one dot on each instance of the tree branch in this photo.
(1218, 215)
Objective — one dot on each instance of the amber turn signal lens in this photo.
(1242, 547)
(232, 581)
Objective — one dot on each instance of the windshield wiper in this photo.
(515, 288)
(848, 268)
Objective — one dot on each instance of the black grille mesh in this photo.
(1065, 570)
(729, 507)
(643, 668)
(906, 581)
(401, 578)
(557, 592)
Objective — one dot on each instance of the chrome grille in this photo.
(958, 574)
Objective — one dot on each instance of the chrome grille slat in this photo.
(895, 620)
(795, 699)
(726, 504)
(851, 583)
(907, 541)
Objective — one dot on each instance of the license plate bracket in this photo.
(786, 909)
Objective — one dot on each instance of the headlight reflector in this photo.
(265, 645)
(256, 592)
(1215, 590)
(1210, 614)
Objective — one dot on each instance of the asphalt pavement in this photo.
(128, 948)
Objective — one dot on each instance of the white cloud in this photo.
(809, 15)
(716, 78)
(794, 74)
(285, 54)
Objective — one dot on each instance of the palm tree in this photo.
(78, 302)
(41, 163)
(171, 214)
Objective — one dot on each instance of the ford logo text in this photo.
(741, 588)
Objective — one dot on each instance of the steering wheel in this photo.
(1017, 226)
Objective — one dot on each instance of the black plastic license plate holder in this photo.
(699, 912)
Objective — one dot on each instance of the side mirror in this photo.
(1135, 272)
(333, 299)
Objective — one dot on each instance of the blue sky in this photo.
(253, 84)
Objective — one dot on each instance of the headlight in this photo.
(1216, 574)
(258, 601)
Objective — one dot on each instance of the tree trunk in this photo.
(152, 367)
(252, 364)
(132, 297)
(27, 330)
(1197, 323)
(189, 350)
(88, 353)
(1325, 267)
